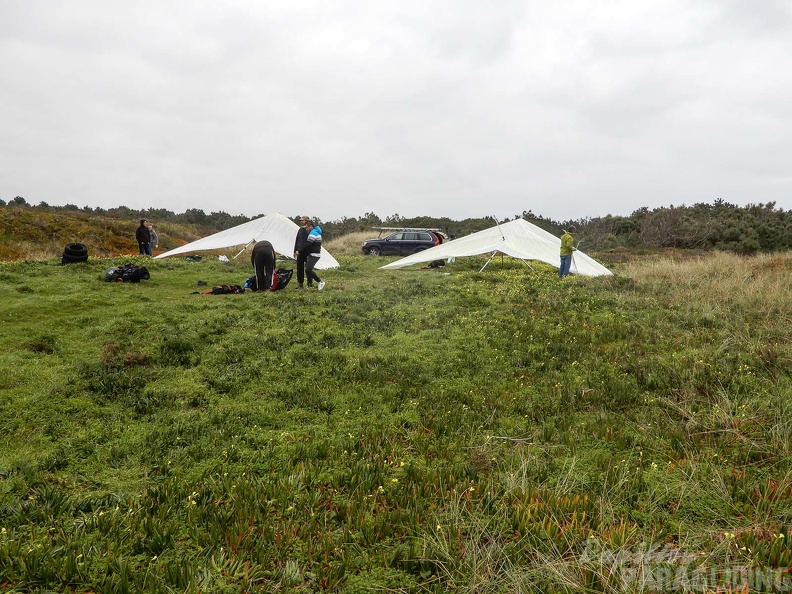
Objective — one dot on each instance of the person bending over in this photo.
(263, 259)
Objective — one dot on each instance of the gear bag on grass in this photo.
(225, 290)
(128, 273)
(280, 279)
(251, 284)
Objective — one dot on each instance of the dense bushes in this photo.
(744, 230)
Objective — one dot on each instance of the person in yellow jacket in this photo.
(567, 247)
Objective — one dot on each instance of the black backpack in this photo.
(284, 276)
(128, 273)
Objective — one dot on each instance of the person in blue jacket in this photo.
(312, 250)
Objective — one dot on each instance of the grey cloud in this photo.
(453, 109)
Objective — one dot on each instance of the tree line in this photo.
(719, 225)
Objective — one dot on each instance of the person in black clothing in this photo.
(299, 243)
(263, 259)
(143, 237)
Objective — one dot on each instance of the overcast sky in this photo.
(457, 108)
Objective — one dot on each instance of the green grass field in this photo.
(401, 431)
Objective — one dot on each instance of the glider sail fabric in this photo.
(275, 228)
(518, 238)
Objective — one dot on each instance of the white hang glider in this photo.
(279, 230)
(518, 238)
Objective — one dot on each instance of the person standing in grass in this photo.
(312, 251)
(143, 238)
(263, 259)
(153, 240)
(299, 243)
(567, 247)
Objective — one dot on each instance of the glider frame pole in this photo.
(528, 265)
(488, 261)
(244, 248)
(495, 253)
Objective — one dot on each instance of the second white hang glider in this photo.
(279, 230)
(518, 238)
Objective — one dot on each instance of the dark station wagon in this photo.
(403, 242)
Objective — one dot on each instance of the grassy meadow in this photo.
(403, 431)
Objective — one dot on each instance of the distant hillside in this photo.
(33, 233)
(40, 232)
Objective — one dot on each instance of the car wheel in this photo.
(420, 249)
(374, 251)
